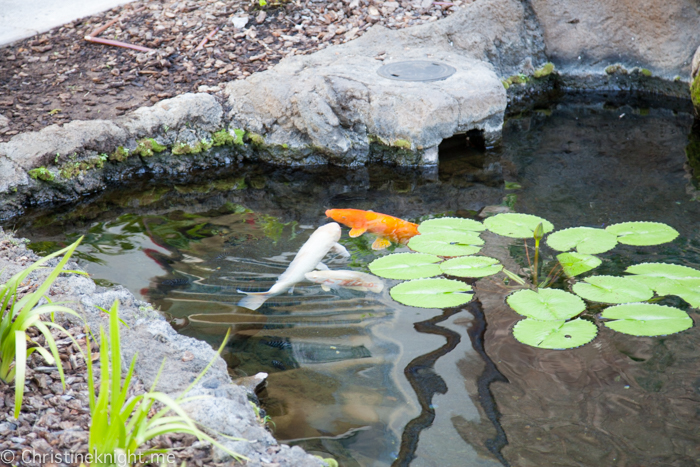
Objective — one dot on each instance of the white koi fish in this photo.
(323, 240)
(349, 279)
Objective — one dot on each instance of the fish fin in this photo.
(325, 288)
(357, 231)
(380, 243)
(340, 250)
(253, 300)
(322, 267)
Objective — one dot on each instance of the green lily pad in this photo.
(574, 264)
(669, 279)
(665, 270)
(642, 233)
(688, 289)
(450, 224)
(611, 289)
(516, 225)
(546, 304)
(555, 334)
(646, 319)
(432, 293)
(406, 266)
(447, 243)
(585, 240)
(471, 266)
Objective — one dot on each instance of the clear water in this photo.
(361, 378)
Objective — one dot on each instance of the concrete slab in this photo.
(20, 19)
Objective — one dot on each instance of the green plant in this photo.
(553, 316)
(148, 147)
(41, 173)
(119, 155)
(19, 314)
(546, 70)
(123, 424)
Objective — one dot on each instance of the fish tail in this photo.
(253, 300)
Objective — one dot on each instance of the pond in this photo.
(359, 377)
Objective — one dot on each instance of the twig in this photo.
(206, 39)
(99, 30)
(529, 263)
(99, 40)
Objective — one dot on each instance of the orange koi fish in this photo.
(387, 228)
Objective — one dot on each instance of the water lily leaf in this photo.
(447, 243)
(555, 334)
(574, 264)
(546, 304)
(646, 319)
(450, 224)
(584, 239)
(516, 225)
(611, 289)
(688, 289)
(406, 266)
(642, 233)
(668, 271)
(669, 279)
(471, 266)
(432, 293)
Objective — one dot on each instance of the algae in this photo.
(544, 71)
(147, 147)
(41, 173)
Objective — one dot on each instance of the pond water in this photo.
(359, 377)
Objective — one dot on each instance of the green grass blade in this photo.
(20, 368)
(115, 346)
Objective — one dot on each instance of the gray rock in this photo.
(584, 37)
(11, 175)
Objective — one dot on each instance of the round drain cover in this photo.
(416, 70)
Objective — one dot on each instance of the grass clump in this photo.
(544, 71)
(120, 424)
(148, 147)
(41, 173)
(19, 314)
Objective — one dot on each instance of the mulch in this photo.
(59, 76)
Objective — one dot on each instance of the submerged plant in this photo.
(447, 246)
(20, 314)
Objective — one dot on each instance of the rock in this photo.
(239, 22)
(334, 104)
(586, 36)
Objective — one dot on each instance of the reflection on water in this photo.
(356, 376)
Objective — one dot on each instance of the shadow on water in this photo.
(370, 382)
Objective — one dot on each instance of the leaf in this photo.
(642, 233)
(611, 289)
(555, 334)
(471, 266)
(668, 271)
(447, 243)
(584, 239)
(513, 276)
(546, 304)
(450, 224)
(669, 279)
(406, 266)
(574, 264)
(432, 293)
(646, 319)
(516, 225)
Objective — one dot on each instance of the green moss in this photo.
(695, 92)
(41, 173)
(613, 69)
(403, 144)
(222, 138)
(119, 155)
(239, 134)
(285, 146)
(181, 149)
(518, 79)
(256, 139)
(645, 72)
(74, 168)
(505, 84)
(546, 70)
(147, 147)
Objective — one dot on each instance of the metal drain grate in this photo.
(416, 70)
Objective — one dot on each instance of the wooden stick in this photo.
(99, 40)
(206, 39)
(99, 30)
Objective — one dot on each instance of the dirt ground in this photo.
(59, 76)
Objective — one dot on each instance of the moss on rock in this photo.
(695, 92)
(402, 144)
(545, 71)
(256, 139)
(181, 149)
(119, 155)
(41, 173)
(147, 147)
(222, 138)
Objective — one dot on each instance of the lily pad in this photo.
(642, 233)
(669, 279)
(432, 293)
(574, 264)
(450, 224)
(516, 225)
(555, 334)
(668, 271)
(646, 319)
(546, 304)
(585, 240)
(406, 266)
(447, 243)
(687, 289)
(612, 289)
(471, 266)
